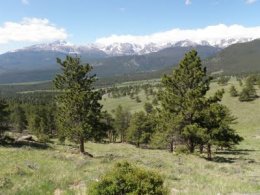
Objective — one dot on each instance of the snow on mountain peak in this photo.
(125, 48)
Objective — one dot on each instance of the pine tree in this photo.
(244, 96)
(182, 99)
(108, 120)
(78, 105)
(140, 129)
(216, 120)
(38, 123)
(248, 93)
(18, 118)
(4, 117)
(187, 115)
(121, 123)
(233, 91)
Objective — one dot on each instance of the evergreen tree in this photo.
(78, 105)
(18, 118)
(4, 117)
(233, 91)
(108, 120)
(189, 116)
(183, 98)
(216, 120)
(244, 96)
(248, 93)
(121, 123)
(38, 123)
(140, 129)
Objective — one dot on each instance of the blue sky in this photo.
(85, 21)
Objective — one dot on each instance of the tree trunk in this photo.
(122, 138)
(201, 148)
(110, 135)
(81, 145)
(191, 146)
(171, 146)
(209, 151)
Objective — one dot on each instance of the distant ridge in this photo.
(38, 62)
(237, 59)
(36, 65)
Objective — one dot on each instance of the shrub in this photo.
(125, 178)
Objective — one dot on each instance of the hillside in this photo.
(236, 59)
(60, 169)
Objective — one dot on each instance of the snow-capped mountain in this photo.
(120, 49)
(39, 61)
(116, 49)
(61, 46)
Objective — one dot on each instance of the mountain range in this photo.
(38, 62)
(122, 49)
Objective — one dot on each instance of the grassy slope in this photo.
(37, 171)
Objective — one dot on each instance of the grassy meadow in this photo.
(59, 169)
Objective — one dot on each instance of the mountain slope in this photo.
(237, 59)
(28, 60)
(22, 66)
(115, 66)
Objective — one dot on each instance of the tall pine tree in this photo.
(183, 98)
(187, 115)
(79, 109)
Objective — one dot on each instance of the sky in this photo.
(27, 22)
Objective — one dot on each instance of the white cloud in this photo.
(212, 34)
(187, 2)
(250, 1)
(25, 2)
(30, 30)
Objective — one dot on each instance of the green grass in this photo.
(59, 168)
(126, 102)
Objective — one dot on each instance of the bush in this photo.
(125, 178)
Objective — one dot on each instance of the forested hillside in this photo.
(239, 58)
